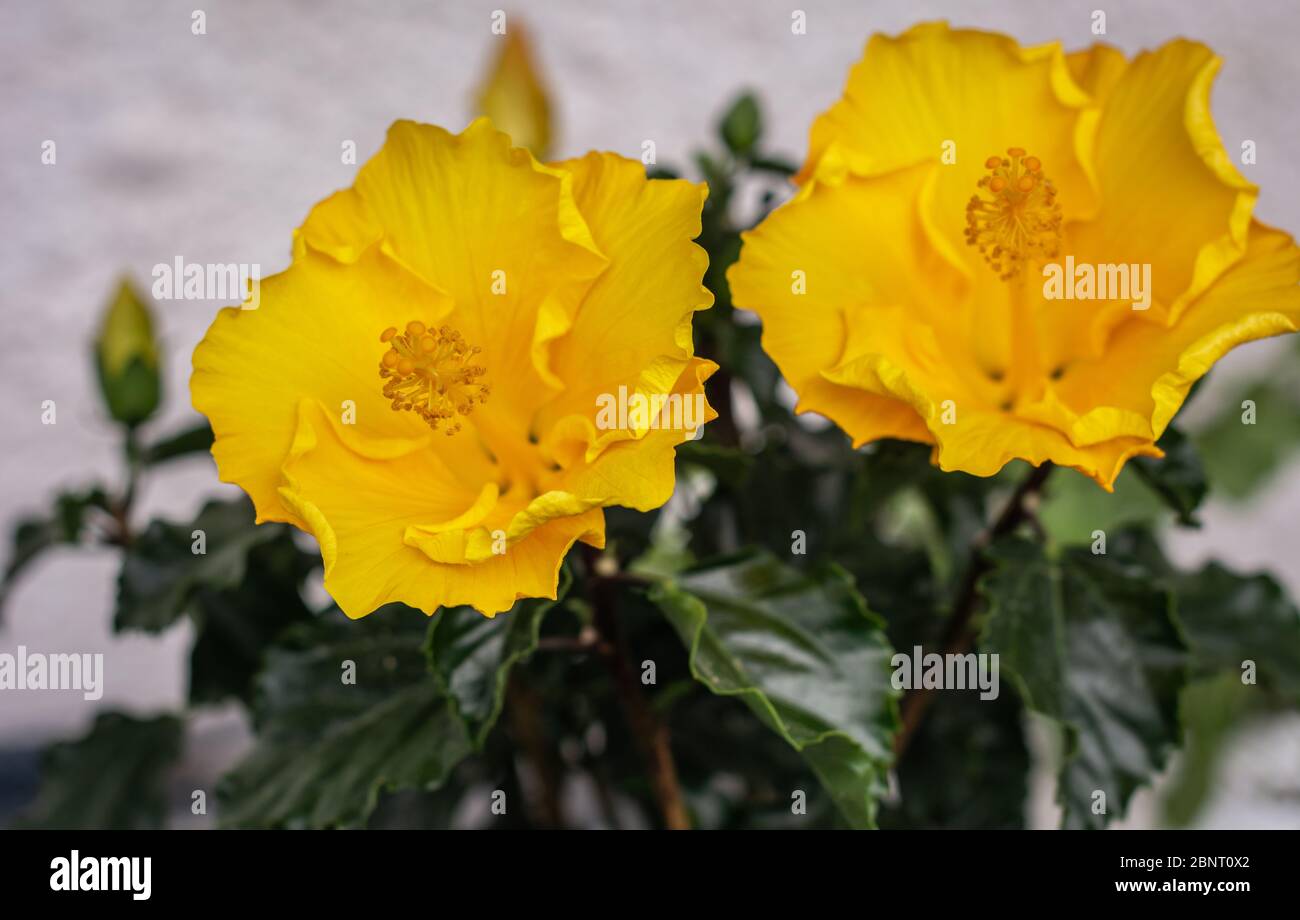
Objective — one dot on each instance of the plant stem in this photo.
(959, 635)
(526, 719)
(648, 730)
(121, 507)
(719, 389)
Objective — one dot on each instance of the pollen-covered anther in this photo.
(1018, 221)
(429, 372)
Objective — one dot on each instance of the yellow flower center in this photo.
(1021, 221)
(428, 372)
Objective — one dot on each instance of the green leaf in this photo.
(242, 592)
(234, 627)
(1093, 644)
(1210, 712)
(729, 464)
(661, 172)
(716, 736)
(327, 749)
(967, 767)
(773, 165)
(1230, 619)
(1074, 506)
(113, 778)
(805, 654)
(668, 552)
(1178, 477)
(724, 250)
(161, 570)
(1227, 619)
(1241, 458)
(126, 358)
(710, 169)
(194, 440)
(742, 125)
(65, 525)
(471, 655)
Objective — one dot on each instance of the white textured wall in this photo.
(214, 147)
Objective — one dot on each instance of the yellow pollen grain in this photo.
(1019, 221)
(429, 372)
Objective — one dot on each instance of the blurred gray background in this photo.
(213, 147)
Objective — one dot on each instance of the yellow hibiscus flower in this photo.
(950, 272)
(421, 390)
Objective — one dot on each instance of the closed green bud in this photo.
(126, 356)
(742, 126)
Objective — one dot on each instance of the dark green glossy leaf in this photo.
(710, 169)
(196, 440)
(326, 749)
(241, 593)
(1256, 432)
(1075, 507)
(471, 655)
(805, 654)
(967, 767)
(1210, 711)
(729, 464)
(724, 249)
(1091, 642)
(1178, 477)
(161, 570)
(721, 737)
(1230, 619)
(235, 626)
(113, 778)
(774, 165)
(65, 525)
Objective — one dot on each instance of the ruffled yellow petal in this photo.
(639, 473)
(315, 333)
(469, 233)
(633, 327)
(935, 93)
(341, 227)
(371, 518)
(1096, 70)
(845, 252)
(864, 416)
(500, 234)
(1139, 383)
(895, 357)
(1171, 197)
(907, 334)
(913, 94)
(982, 443)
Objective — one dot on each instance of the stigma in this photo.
(1016, 220)
(430, 372)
